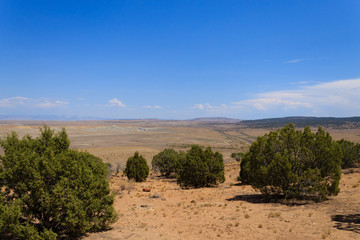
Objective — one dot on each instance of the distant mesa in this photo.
(215, 119)
(301, 122)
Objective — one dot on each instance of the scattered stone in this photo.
(155, 195)
(145, 206)
(193, 201)
(146, 189)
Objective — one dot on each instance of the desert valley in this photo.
(227, 211)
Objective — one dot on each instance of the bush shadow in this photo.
(262, 198)
(164, 178)
(349, 222)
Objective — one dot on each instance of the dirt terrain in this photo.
(227, 211)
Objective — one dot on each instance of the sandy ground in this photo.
(227, 211)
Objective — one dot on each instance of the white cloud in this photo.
(208, 106)
(304, 82)
(51, 104)
(116, 103)
(202, 106)
(336, 98)
(62, 102)
(325, 98)
(271, 102)
(14, 101)
(297, 60)
(153, 107)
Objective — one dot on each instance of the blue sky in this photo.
(243, 59)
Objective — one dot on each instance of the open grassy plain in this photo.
(228, 211)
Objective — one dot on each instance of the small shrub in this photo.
(166, 161)
(118, 167)
(200, 168)
(110, 169)
(237, 156)
(128, 186)
(351, 153)
(137, 168)
(274, 214)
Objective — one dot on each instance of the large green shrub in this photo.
(166, 161)
(136, 168)
(49, 190)
(200, 168)
(294, 163)
(351, 153)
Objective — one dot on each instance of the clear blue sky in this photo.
(243, 59)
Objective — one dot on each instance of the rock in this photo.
(146, 189)
(155, 195)
(145, 206)
(193, 201)
(158, 196)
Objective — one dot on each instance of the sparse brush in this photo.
(128, 185)
(274, 214)
(116, 192)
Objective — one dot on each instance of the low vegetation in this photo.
(200, 168)
(50, 191)
(294, 163)
(167, 161)
(237, 156)
(137, 168)
(351, 154)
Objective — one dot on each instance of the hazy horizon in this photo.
(77, 118)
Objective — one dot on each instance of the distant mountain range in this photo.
(299, 122)
(302, 122)
(215, 119)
